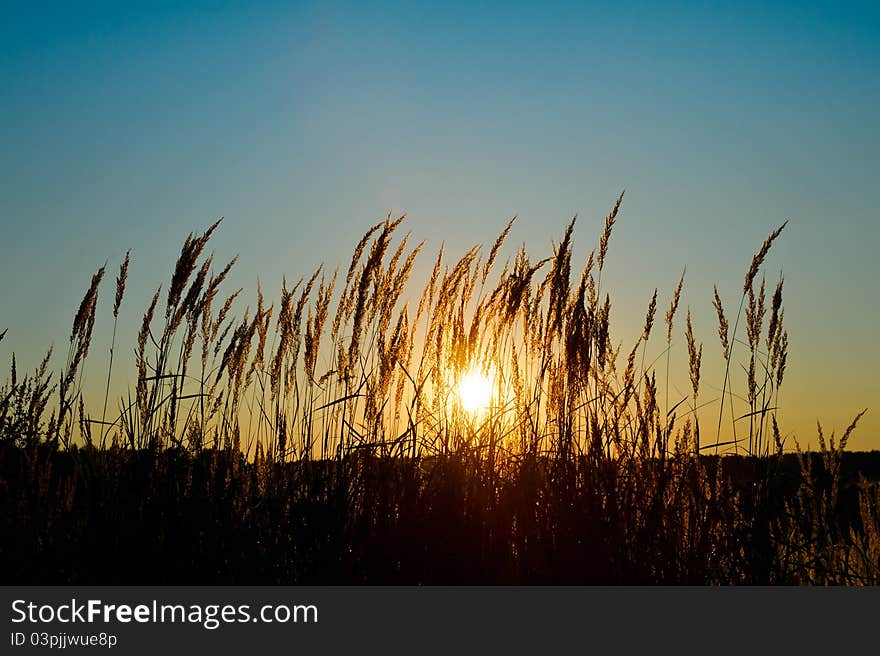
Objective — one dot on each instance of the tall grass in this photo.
(322, 437)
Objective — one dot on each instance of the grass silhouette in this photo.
(326, 440)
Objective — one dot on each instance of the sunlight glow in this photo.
(475, 391)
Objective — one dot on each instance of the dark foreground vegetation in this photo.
(119, 517)
(487, 429)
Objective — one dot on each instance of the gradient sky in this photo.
(302, 124)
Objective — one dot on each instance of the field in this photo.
(480, 426)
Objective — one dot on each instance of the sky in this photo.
(128, 126)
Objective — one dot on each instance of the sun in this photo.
(475, 391)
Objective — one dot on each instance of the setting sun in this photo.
(374, 296)
(475, 391)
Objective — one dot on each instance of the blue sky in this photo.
(303, 123)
